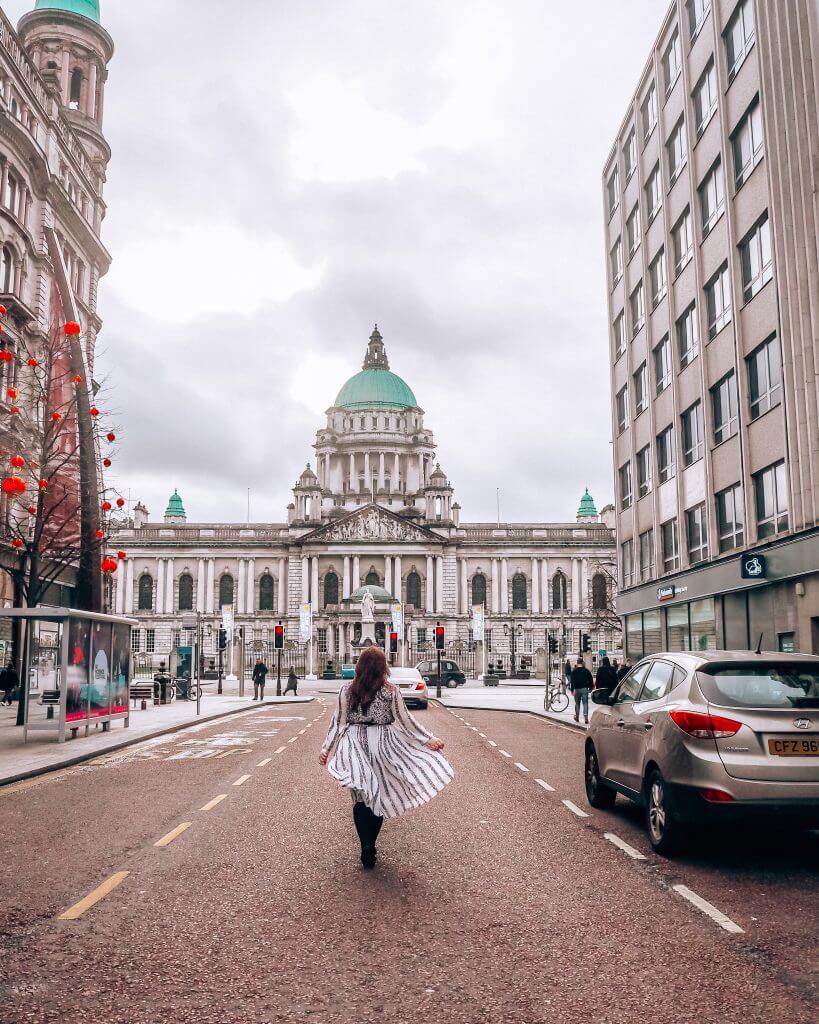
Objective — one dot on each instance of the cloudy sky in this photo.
(284, 174)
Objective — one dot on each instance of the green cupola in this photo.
(86, 8)
(376, 387)
(587, 510)
(175, 512)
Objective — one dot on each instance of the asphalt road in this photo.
(495, 902)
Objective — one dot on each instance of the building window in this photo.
(600, 592)
(688, 336)
(724, 404)
(647, 555)
(697, 13)
(637, 308)
(136, 640)
(518, 592)
(619, 329)
(644, 471)
(756, 258)
(625, 485)
(654, 193)
(692, 438)
(712, 197)
(648, 112)
(671, 545)
(559, 591)
(76, 89)
(6, 269)
(705, 98)
(771, 492)
(747, 143)
(613, 191)
(739, 37)
(616, 262)
(267, 597)
(186, 592)
(150, 641)
(633, 231)
(662, 364)
(225, 590)
(657, 278)
(627, 562)
(372, 579)
(330, 589)
(682, 238)
(666, 456)
(641, 390)
(765, 377)
(630, 153)
(622, 408)
(697, 534)
(718, 301)
(672, 62)
(677, 151)
(414, 589)
(730, 518)
(145, 601)
(479, 589)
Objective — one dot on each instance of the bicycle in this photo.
(555, 699)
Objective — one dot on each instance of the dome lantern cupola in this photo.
(175, 512)
(587, 512)
(375, 386)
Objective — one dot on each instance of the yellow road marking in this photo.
(212, 803)
(241, 780)
(261, 764)
(93, 897)
(169, 838)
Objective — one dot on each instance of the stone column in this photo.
(439, 584)
(544, 586)
(584, 586)
(430, 585)
(345, 579)
(352, 471)
(160, 586)
(575, 585)
(282, 595)
(169, 606)
(64, 69)
(535, 587)
(504, 586)
(396, 472)
(239, 595)
(420, 470)
(495, 587)
(380, 470)
(250, 599)
(368, 480)
(129, 588)
(388, 573)
(91, 96)
(396, 578)
(200, 586)
(331, 647)
(314, 583)
(210, 597)
(305, 579)
(4, 179)
(356, 572)
(464, 588)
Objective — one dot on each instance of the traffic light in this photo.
(278, 637)
(552, 645)
(222, 638)
(393, 643)
(440, 638)
(586, 643)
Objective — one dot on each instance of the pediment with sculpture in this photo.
(372, 523)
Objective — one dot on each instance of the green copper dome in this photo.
(376, 387)
(587, 509)
(87, 8)
(175, 507)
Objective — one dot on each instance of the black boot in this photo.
(363, 818)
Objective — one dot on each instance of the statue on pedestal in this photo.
(367, 607)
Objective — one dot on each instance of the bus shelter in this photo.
(76, 668)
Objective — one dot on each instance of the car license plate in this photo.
(794, 746)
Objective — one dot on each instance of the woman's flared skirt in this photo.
(388, 770)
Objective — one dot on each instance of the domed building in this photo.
(376, 510)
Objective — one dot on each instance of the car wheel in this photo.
(598, 793)
(664, 831)
(451, 684)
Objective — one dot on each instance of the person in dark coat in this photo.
(259, 676)
(624, 669)
(292, 683)
(581, 683)
(9, 682)
(567, 672)
(606, 678)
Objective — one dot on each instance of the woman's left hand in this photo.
(435, 744)
(323, 756)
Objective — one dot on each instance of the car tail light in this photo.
(704, 726)
(716, 796)
(420, 686)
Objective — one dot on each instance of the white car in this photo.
(412, 686)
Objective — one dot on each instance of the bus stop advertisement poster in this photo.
(98, 664)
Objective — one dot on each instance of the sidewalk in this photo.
(19, 760)
(511, 695)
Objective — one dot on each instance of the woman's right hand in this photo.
(435, 744)
(323, 758)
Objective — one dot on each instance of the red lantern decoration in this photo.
(32, 511)
(121, 555)
(14, 485)
(72, 328)
(120, 502)
(6, 356)
(100, 534)
(17, 543)
(111, 436)
(3, 311)
(43, 485)
(12, 392)
(106, 506)
(33, 362)
(94, 411)
(56, 416)
(13, 410)
(77, 379)
(107, 463)
(18, 461)
(109, 565)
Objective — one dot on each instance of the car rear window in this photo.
(776, 684)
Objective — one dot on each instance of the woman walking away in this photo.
(378, 751)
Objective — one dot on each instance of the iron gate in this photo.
(294, 655)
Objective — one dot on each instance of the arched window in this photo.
(76, 87)
(558, 591)
(266, 593)
(11, 197)
(6, 268)
(225, 590)
(479, 589)
(186, 592)
(146, 593)
(519, 592)
(414, 589)
(330, 589)
(372, 579)
(600, 594)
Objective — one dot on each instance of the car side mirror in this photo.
(601, 696)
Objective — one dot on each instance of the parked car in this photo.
(412, 685)
(451, 675)
(709, 738)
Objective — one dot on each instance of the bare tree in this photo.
(606, 617)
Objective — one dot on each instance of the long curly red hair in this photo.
(371, 672)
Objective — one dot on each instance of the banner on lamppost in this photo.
(398, 618)
(477, 622)
(306, 623)
(227, 621)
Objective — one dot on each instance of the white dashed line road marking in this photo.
(93, 897)
(292, 739)
(621, 844)
(504, 752)
(173, 834)
(709, 909)
(545, 785)
(261, 764)
(279, 750)
(241, 780)
(575, 809)
(212, 803)
(522, 767)
(491, 743)
(482, 735)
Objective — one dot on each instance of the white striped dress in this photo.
(381, 754)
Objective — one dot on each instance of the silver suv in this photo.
(707, 738)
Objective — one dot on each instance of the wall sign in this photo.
(666, 593)
(753, 567)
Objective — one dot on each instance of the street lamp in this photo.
(513, 632)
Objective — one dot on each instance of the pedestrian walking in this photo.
(624, 669)
(292, 683)
(375, 748)
(581, 683)
(606, 678)
(9, 682)
(260, 671)
(567, 673)
(616, 666)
